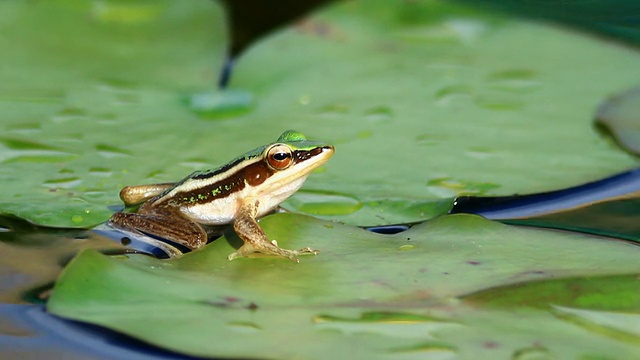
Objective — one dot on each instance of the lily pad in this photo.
(423, 100)
(366, 295)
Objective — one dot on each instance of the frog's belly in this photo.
(223, 211)
(220, 212)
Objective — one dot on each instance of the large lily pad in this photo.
(423, 100)
(365, 295)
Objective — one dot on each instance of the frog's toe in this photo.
(307, 251)
(248, 250)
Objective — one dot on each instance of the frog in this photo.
(235, 194)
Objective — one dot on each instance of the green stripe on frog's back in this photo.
(205, 186)
(207, 174)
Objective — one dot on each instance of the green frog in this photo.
(238, 193)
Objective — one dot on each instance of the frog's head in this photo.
(286, 163)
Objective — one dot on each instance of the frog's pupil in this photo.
(280, 156)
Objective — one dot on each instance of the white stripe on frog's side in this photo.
(190, 184)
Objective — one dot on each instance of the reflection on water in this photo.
(607, 207)
(32, 256)
(28, 331)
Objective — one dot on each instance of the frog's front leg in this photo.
(255, 240)
(166, 225)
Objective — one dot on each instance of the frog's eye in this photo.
(279, 157)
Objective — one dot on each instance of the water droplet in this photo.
(479, 153)
(442, 192)
(426, 349)
(378, 317)
(72, 111)
(514, 74)
(451, 30)
(125, 12)
(100, 171)
(513, 80)
(21, 144)
(77, 219)
(127, 98)
(110, 151)
(384, 323)
(457, 187)
(245, 327)
(65, 183)
(320, 203)
(533, 353)
(36, 96)
(25, 128)
(430, 139)
(42, 157)
(105, 118)
(155, 173)
(220, 104)
(20, 150)
(466, 29)
(93, 194)
(495, 102)
(379, 114)
(116, 85)
(69, 113)
(304, 100)
(449, 94)
(334, 110)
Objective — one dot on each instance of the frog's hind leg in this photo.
(175, 228)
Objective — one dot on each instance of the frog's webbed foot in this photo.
(250, 249)
(255, 240)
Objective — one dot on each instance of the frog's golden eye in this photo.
(279, 157)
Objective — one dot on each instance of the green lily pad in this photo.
(423, 101)
(364, 295)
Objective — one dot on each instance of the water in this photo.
(606, 207)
